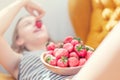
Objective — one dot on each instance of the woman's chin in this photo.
(42, 38)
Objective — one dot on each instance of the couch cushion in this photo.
(105, 15)
(5, 77)
(80, 11)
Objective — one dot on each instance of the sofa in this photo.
(6, 77)
(92, 20)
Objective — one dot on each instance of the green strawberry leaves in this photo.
(79, 47)
(76, 38)
(48, 59)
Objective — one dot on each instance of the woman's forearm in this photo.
(8, 14)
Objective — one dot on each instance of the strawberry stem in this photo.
(76, 38)
(48, 59)
(79, 47)
(87, 48)
(64, 58)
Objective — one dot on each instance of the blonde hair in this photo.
(15, 47)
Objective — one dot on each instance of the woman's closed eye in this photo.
(27, 23)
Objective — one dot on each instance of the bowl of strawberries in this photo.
(67, 57)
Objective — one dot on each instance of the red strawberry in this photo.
(89, 53)
(73, 61)
(68, 39)
(59, 52)
(78, 47)
(55, 50)
(82, 53)
(74, 42)
(51, 46)
(62, 62)
(74, 54)
(68, 46)
(77, 38)
(49, 52)
(51, 60)
(47, 55)
(38, 24)
(59, 45)
(82, 61)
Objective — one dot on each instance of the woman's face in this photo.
(29, 32)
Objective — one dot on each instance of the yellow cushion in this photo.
(105, 15)
(80, 12)
(93, 19)
(5, 77)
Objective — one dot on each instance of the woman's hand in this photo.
(34, 9)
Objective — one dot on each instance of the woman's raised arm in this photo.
(8, 14)
(8, 58)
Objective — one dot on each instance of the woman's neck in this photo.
(34, 47)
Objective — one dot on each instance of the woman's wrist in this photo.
(24, 2)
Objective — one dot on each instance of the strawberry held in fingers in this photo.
(38, 24)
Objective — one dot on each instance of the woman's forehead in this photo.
(26, 19)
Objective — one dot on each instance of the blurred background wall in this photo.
(56, 19)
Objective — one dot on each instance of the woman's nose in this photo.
(38, 24)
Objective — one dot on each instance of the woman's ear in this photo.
(19, 41)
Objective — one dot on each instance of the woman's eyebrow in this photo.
(24, 23)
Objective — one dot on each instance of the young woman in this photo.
(29, 36)
(104, 64)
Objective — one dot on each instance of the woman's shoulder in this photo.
(29, 55)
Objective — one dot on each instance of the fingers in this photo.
(39, 11)
(30, 11)
(40, 15)
(35, 13)
(35, 10)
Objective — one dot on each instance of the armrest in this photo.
(6, 77)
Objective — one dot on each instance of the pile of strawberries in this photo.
(70, 53)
